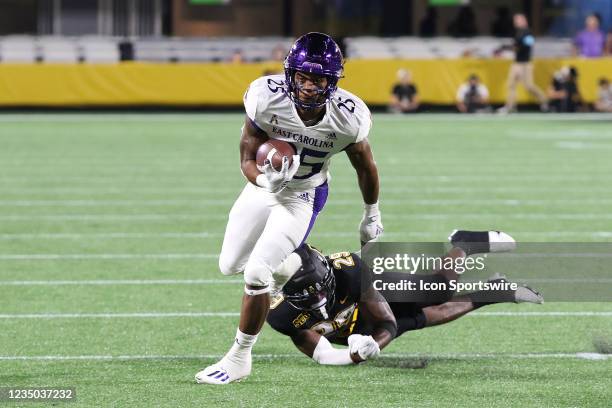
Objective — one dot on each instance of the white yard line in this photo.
(35, 257)
(118, 282)
(426, 356)
(154, 315)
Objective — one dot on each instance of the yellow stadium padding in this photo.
(137, 83)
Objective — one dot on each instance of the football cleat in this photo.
(482, 242)
(523, 294)
(224, 372)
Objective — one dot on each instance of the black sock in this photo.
(472, 242)
(491, 297)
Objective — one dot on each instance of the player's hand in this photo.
(363, 347)
(275, 181)
(371, 224)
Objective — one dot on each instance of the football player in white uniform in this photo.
(277, 209)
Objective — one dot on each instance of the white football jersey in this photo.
(347, 120)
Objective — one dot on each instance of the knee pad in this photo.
(257, 273)
(228, 267)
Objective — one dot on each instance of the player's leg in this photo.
(514, 76)
(246, 221)
(290, 221)
(462, 305)
(532, 88)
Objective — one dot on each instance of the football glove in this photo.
(371, 225)
(365, 346)
(275, 181)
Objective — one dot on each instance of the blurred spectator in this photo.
(608, 46)
(404, 95)
(604, 96)
(237, 57)
(428, 25)
(472, 96)
(464, 25)
(590, 41)
(522, 68)
(502, 26)
(563, 92)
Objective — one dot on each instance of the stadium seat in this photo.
(99, 49)
(19, 49)
(58, 49)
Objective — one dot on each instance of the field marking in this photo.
(105, 118)
(431, 356)
(333, 203)
(155, 315)
(35, 257)
(114, 282)
(216, 235)
(337, 202)
(118, 282)
(218, 216)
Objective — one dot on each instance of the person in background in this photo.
(464, 25)
(404, 95)
(608, 46)
(604, 96)
(237, 57)
(563, 91)
(522, 68)
(589, 43)
(472, 96)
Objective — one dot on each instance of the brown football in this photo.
(274, 150)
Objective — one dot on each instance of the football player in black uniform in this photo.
(324, 301)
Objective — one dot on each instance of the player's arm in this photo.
(270, 179)
(376, 311)
(320, 349)
(362, 159)
(251, 139)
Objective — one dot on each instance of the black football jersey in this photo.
(348, 269)
(523, 43)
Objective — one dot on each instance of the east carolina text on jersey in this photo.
(347, 120)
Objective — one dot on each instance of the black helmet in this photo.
(312, 287)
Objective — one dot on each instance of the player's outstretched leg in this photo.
(462, 305)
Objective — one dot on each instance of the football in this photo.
(274, 150)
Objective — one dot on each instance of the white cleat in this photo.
(482, 242)
(224, 372)
(524, 294)
(499, 241)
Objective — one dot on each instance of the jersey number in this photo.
(274, 86)
(347, 104)
(342, 258)
(316, 167)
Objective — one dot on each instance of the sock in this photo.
(472, 242)
(242, 345)
(488, 297)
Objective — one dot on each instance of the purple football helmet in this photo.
(314, 53)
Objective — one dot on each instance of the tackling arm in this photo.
(320, 349)
(376, 311)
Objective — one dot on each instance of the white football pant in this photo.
(264, 228)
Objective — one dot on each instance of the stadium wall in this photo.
(215, 84)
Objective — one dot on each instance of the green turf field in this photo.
(110, 226)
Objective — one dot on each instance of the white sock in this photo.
(242, 345)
